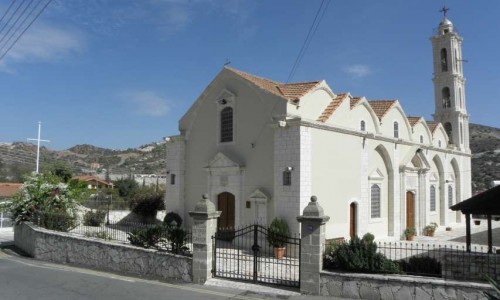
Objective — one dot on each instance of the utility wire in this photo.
(15, 23)
(312, 30)
(11, 16)
(25, 29)
(7, 11)
(22, 23)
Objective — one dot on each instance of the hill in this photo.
(18, 158)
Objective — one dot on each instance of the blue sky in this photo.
(121, 73)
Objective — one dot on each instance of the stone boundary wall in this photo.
(95, 253)
(388, 287)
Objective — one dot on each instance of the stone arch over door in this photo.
(440, 189)
(382, 151)
(458, 188)
(226, 204)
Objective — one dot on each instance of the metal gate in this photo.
(246, 254)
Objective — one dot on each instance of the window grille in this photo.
(226, 125)
(375, 203)
(396, 130)
(433, 198)
(363, 126)
(287, 177)
(450, 196)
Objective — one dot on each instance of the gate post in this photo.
(204, 227)
(312, 242)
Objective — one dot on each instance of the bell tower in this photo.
(449, 84)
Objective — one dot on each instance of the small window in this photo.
(433, 198)
(450, 196)
(362, 126)
(421, 139)
(396, 130)
(226, 125)
(444, 60)
(439, 143)
(287, 177)
(449, 131)
(461, 133)
(375, 201)
(445, 92)
(172, 179)
(249, 204)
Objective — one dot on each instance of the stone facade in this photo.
(471, 266)
(98, 254)
(384, 287)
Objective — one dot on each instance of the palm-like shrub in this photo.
(278, 233)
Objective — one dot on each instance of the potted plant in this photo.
(477, 222)
(430, 229)
(277, 236)
(410, 233)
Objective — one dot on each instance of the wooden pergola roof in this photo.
(485, 203)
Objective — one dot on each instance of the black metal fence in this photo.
(156, 235)
(447, 261)
(106, 204)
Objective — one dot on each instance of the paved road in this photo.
(24, 278)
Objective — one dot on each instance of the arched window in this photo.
(362, 126)
(460, 99)
(444, 60)
(457, 59)
(448, 129)
(287, 177)
(433, 198)
(439, 143)
(421, 139)
(446, 97)
(396, 130)
(172, 179)
(450, 196)
(375, 201)
(226, 125)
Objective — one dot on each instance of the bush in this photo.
(278, 233)
(423, 265)
(56, 220)
(359, 255)
(146, 237)
(172, 216)
(177, 237)
(147, 203)
(94, 218)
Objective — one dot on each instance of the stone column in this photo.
(204, 227)
(312, 222)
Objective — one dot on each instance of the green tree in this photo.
(62, 170)
(127, 187)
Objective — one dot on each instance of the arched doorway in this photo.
(225, 203)
(352, 220)
(410, 210)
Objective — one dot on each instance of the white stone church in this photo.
(260, 148)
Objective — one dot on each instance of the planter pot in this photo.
(477, 222)
(279, 252)
(429, 233)
(448, 228)
(410, 237)
(496, 218)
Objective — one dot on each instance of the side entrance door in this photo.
(225, 203)
(410, 210)
(352, 220)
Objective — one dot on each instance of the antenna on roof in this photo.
(227, 62)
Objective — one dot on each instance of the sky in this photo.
(120, 74)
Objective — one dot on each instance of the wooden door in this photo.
(225, 203)
(352, 220)
(410, 210)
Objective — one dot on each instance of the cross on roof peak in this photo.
(444, 10)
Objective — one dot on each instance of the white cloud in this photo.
(148, 103)
(358, 70)
(43, 43)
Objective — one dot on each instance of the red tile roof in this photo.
(8, 189)
(413, 120)
(354, 101)
(381, 107)
(288, 91)
(91, 177)
(432, 125)
(334, 104)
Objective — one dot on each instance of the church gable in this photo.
(220, 160)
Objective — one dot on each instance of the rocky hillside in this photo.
(485, 147)
(18, 158)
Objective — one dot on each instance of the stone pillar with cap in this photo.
(204, 227)
(312, 230)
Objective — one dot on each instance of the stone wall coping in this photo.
(99, 241)
(320, 220)
(409, 279)
(204, 215)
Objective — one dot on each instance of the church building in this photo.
(261, 148)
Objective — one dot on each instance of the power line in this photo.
(7, 11)
(15, 23)
(22, 23)
(11, 16)
(25, 29)
(312, 30)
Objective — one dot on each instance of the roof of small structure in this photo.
(330, 109)
(92, 178)
(381, 107)
(8, 189)
(485, 203)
